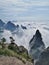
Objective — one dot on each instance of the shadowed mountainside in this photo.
(44, 58)
(36, 45)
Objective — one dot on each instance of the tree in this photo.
(12, 44)
(12, 40)
(3, 40)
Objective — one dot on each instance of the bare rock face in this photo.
(44, 58)
(5, 60)
(36, 45)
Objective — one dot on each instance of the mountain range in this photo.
(24, 31)
(10, 26)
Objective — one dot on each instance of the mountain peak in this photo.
(9, 22)
(36, 45)
(1, 23)
(38, 33)
(37, 36)
(10, 26)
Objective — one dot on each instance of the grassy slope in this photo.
(7, 52)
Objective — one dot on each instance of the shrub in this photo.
(14, 48)
(6, 52)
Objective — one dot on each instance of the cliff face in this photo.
(44, 58)
(36, 45)
(5, 60)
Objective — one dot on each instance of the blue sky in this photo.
(27, 10)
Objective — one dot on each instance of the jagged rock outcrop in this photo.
(36, 45)
(44, 58)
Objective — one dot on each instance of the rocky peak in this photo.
(10, 26)
(38, 34)
(36, 45)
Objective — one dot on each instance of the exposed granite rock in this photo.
(36, 45)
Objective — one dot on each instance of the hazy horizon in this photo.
(24, 10)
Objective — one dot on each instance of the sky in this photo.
(24, 10)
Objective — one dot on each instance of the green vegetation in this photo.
(3, 40)
(13, 50)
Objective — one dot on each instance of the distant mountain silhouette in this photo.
(36, 45)
(44, 58)
(17, 26)
(1, 23)
(23, 27)
(10, 26)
